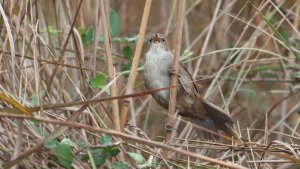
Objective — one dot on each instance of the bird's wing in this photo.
(186, 80)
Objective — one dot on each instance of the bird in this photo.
(189, 104)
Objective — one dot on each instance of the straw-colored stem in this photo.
(136, 59)
(175, 67)
(67, 124)
(109, 65)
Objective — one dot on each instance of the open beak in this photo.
(156, 39)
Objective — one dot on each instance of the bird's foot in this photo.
(172, 72)
(168, 128)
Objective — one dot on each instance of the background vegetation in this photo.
(55, 61)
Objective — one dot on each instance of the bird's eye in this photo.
(163, 40)
(150, 40)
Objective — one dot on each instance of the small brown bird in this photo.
(157, 74)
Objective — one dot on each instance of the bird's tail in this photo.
(217, 120)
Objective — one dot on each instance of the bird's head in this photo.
(157, 40)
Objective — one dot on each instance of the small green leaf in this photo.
(87, 36)
(295, 75)
(110, 151)
(119, 165)
(114, 22)
(126, 66)
(51, 144)
(99, 160)
(138, 158)
(98, 81)
(68, 142)
(132, 39)
(127, 52)
(105, 139)
(34, 99)
(64, 155)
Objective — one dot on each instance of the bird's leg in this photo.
(168, 128)
(172, 72)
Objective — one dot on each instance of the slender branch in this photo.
(109, 65)
(136, 58)
(104, 8)
(175, 67)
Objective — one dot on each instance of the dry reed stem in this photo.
(68, 124)
(233, 58)
(208, 37)
(56, 133)
(136, 59)
(11, 46)
(96, 26)
(174, 78)
(109, 65)
(19, 141)
(64, 46)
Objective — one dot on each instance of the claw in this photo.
(172, 71)
(168, 128)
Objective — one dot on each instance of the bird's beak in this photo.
(156, 39)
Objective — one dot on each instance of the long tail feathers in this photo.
(217, 120)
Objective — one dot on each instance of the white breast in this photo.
(157, 66)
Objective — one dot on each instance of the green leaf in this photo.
(99, 160)
(119, 165)
(126, 66)
(110, 151)
(68, 142)
(114, 22)
(138, 158)
(92, 159)
(99, 82)
(127, 52)
(87, 36)
(34, 99)
(64, 155)
(132, 39)
(50, 144)
(105, 139)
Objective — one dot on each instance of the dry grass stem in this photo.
(72, 91)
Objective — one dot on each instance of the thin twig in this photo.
(136, 59)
